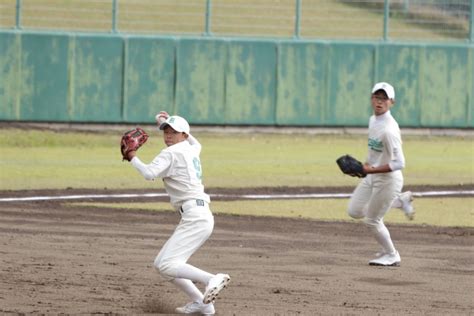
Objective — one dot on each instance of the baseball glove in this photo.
(351, 166)
(131, 141)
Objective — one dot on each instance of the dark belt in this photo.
(191, 204)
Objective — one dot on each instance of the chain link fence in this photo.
(430, 20)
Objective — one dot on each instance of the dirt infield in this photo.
(63, 259)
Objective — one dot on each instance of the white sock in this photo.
(382, 235)
(188, 287)
(187, 271)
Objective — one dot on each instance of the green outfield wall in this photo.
(70, 77)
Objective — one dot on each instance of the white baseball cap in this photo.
(177, 123)
(387, 87)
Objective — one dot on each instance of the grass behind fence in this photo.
(328, 19)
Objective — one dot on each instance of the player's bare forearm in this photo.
(380, 169)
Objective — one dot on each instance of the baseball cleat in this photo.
(387, 260)
(406, 198)
(215, 285)
(196, 308)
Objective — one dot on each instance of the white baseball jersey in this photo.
(385, 143)
(180, 168)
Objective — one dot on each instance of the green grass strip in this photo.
(446, 212)
(57, 160)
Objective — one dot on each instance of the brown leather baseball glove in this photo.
(131, 141)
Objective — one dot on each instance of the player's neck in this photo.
(382, 115)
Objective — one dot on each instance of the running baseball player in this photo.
(180, 168)
(381, 188)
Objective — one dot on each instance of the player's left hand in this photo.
(131, 141)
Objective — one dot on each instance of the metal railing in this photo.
(434, 20)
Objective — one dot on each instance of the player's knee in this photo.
(162, 267)
(354, 213)
(372, 223)
(167, 269)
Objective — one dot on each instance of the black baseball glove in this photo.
(351, 166)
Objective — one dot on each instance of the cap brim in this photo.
(163, 125)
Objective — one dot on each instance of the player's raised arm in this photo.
(194, 142)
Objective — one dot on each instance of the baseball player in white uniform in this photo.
(180, 168)
(381, 189)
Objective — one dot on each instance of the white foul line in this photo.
(80, 197)
(235, 196)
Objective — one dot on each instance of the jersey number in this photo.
(197, 167)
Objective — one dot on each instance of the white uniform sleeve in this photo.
(158, 168)
(397, 161)
(194, 143)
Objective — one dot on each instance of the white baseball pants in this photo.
(195, 227)
(372, 199)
